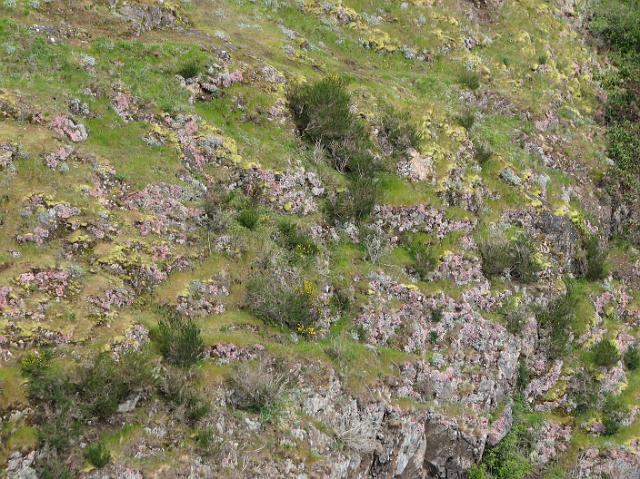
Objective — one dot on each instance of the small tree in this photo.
(632, 358)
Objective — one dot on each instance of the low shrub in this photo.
(613, 413)
(592, 260)
(98, 455)
(281, 300)
(322, 113)
(584, 391)
(556, 320)
(179, 387)
(357, 202)
(190, 69)
(469, 79)
(249, 218)
(399, 130)
(509, 459)
(179, 339)
(632, 358)
(295, 240)
(466, 119)
(482, 152)
(257, 387)
(605, 354)
(501, 255)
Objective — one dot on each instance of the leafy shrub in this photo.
(257, 387)
(216, 217)
(178, 386)
(280, 300)
(516, 320)
(613, 413)
(605, 354)
(467, 119)
(584, 391)
(50, 466)
(509, 459)
(179, 339)
(556, 320)
(499, 255)
(470, 79)
(356, 203)
(190, 69)
(399, 130)
(249, 218)
(425, 259)
(322, 113)
(482, 152)
(98, 455)
(632, 358)
(296, 241)
(592, 264)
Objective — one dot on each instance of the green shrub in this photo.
(632, 358)
(356, 203)
(509, 459)
(482, 152)
(594, 262)
(106, 383)
(556, 320)
(467, 119)
(584, 391)
(470, 79)
(280, 300)
(322, 114)
(499, 255)
(516, 320)
(179, 339)
(257, 387)
(425, 258)
(605, 354)
(190, 69)
(613, 413)
(399, 130)
(524, 375)
(295, 241)
(50, 466)
(97, 454)
(249, 218)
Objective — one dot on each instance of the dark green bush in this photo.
(632, 358)
(296, 241)
(469, 79)
(613, 413)
(257, 387)
(509, 459)
(97, 454)
(399, 130)
(556, 320)
(179, 339)
(593, 263)
(357, 202)
(605, 354)
(482, 152)
(190, 69)
(322, 114)
(624, 145)
(280, 300)
(466, 119)
(249, 218)
(50, 466)
(517, 257)
(584, 391)
(425, 258)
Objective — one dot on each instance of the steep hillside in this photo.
(309, 239)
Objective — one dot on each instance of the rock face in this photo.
(148, 17)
